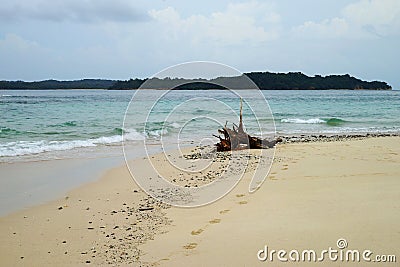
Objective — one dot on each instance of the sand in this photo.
(315, 194)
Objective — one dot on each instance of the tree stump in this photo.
(237, 139)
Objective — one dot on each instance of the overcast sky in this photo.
(120, 39)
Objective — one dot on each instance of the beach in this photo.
(181, 133)
(315, 194)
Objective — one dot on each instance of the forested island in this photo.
(263, 80)
(54, 84)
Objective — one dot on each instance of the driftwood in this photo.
(236, 138)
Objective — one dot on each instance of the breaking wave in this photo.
(328, 121)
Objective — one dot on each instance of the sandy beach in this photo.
(188, 133)
(315, 194)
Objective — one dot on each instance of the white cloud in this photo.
(381, 17)
(375, 12)
(251, 22)
(329, 28)
(362, 19)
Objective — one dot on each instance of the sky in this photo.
(122, 39)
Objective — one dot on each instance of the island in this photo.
(263, 80)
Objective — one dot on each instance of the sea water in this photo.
(53, 124)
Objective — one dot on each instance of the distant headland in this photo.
(263, 80)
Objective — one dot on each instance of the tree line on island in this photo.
(263, 80)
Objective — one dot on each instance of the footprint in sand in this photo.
(240, 195)
(242, 202)
(284, 169)
(197, 232)
(223, 211)
(215, 221)
(190, 246)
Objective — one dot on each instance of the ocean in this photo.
(57, 124)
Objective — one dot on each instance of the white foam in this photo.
(133, 135)
(21, 148)
(303, 121)
(157, 133)
(175, 125)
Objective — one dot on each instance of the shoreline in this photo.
(32, 183)
(307, 138)
(112, 227)
(114, 160)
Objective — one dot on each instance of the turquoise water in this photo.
(37, 125)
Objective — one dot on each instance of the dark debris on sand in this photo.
(330, 138)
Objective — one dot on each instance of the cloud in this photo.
(84, 11)
(381, 17)
(361, 19)
(329, 28)
(251, 22)
(374, 12)
(17, 43)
